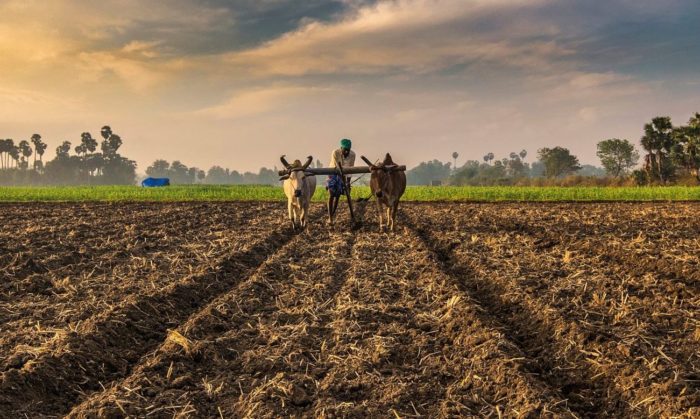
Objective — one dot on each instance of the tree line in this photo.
(671, 155)
(85, 166)
(179, 173)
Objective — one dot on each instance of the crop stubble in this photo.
(468, 309)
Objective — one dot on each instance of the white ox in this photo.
(299, 188)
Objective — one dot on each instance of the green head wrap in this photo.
(346, 144)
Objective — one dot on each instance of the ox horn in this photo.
(369, 163)
(285, 163)
(308, 162)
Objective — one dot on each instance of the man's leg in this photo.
(336, 200)
(330, 208)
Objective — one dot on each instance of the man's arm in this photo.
(351, 159)
(333, 159)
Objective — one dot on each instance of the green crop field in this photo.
(413, 193)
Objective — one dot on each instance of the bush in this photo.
(640, 177)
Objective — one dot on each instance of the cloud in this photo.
(139, 65)
(27, 106)
(591, 87)
(409, 35)
(258, 101)
(142, 48)
(128, 43)
(589, 114)
(592, 80)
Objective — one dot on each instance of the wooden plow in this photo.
(343, 173)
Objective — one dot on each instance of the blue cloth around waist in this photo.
(335, 186)
(151, 182)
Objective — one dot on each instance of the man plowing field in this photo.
(336, 185)
(388, 183)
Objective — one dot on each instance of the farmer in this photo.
(335, 184)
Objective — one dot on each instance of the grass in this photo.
(413, 193)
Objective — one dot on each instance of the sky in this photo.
(238, 83)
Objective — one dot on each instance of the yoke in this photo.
(328, 171)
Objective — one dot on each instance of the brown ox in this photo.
(299, 188)
(388, 185)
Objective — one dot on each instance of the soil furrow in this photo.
(267, 326)
(506, 365)
(52, 243)
(636, 326)
(107, 349)
(533, 335)
(403, 345)
(547, 337)
(473, 310)
(95, 293)
(281, 377)
(81, 244)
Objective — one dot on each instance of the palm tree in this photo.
(454, 159)
(80, 149)
(26, 150)
(7, 152)
(687, 148)
(658, 141)
(111, 142)
(63, 149)
(111, 145)
(39, 148)
(3, 150)
(14, 153)
(693, 142)
(87, 143)
(106, 131)
(90, 144)
(36, 140)
(8, 146)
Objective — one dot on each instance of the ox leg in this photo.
(389, 221)
(380, 211)
(290, 209)
(302, 218)
(394, 210)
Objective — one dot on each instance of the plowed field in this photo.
(220, 310)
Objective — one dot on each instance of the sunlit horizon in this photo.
(238, 83)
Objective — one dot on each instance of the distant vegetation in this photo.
(672, 156)
(216, 175)
(87, 166)
(413, 193)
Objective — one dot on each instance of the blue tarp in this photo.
(150, 182)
